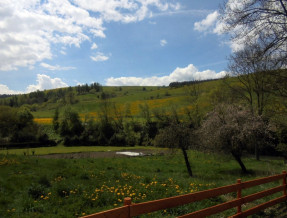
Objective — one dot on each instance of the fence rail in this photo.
(130, 210)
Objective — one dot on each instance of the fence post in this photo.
(239, 195)
(284, 183)
(128, 202)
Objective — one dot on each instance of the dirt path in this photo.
(103, 154)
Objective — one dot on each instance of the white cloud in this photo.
(28, 29)
(57, 67)
(98, 33)
(212, 24)
(208, 23)
(163, 42)
(99, 57)
(5, 90)
(178, 75)
(46, 82)
(94, 46)
(126, 11)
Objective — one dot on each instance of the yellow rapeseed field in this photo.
(43, 120)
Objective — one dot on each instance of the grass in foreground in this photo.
(34, 187)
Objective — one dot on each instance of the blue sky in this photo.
(50, 44)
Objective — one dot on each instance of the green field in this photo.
(35, 187)
(60, 149)
(155, 97)
(31, 186)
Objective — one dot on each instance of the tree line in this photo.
(185, 83)
(61, 95)
(228, 128)
(17, 129)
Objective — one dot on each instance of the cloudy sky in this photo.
(47, 44)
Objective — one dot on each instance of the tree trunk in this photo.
(257, 152)
(187, 162)
(238, 159)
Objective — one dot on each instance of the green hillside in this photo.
(129, 115)
(129, 99)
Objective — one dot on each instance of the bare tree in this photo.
(231, 129)
(250, 19)
(255, 72)
(261, 22)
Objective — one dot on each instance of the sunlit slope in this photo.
(128, 100)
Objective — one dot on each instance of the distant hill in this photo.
(88, 100)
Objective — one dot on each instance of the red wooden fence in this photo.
(131, 210)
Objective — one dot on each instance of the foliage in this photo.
(71, 127)
(229, 128)
(56, 124)
(176, 135)
(62, 95)
(187, 83)
(17, 128)
(8, 121)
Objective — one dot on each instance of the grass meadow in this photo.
(35, 187)
(61, 149)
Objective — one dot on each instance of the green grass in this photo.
(128, 95)
(34, 187)
(60, 149)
